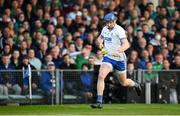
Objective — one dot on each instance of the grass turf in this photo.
(84, 109)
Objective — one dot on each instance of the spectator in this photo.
(68, 38)
(112, 6)
(8, 82)
(50, 29)
(133, 58)
(148, 20)
(130, 34)
(131, 70)
(138, 36)
(61, 24)
(86, 80)
(169, 79)
(39, 13)
(151, 50)
(67, 62)
(121, 18)
(83, 58)
(82, 31)
(11, 28)
(171, 8)
(86, 17)
(47, 82)
(71, 86)
(59, 34)
(4, 21)
(15, 59)
(149, 74)
(52, 41)
(7, 50)
(163, 42)
(38, 27)
(29, 14)
(78, 21)
(48, 58)
(69, 24)
(142, 43)
(79, 43)
(171, 35)
(98, 58)
(10, 42)
(29, 42)
(93, 10)
(176, 15)
(55, 52)
(142, 63)
(176, 63)
(91, 63)
(143, 6)
(45, 39)
(23, 48)
(130, 8)
(152, 12)
(158, 64)
(156, 41)
(74, 12)
(33, 60)
(165, 53)
(171, 50)
(26, 67)
(43, 50)
(4, 37)
(71, 50)
(20, 21)
(147, 33)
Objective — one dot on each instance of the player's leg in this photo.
(103, 72)
(122, 77)
(128, 82)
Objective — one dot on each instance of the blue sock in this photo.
(99, 98)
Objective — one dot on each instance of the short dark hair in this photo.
(85, 64)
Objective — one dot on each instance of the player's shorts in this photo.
(118, 66)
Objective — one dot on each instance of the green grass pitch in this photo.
(84, 109)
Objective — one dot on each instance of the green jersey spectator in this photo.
(83, 58)
(158, 64)
(149, 74)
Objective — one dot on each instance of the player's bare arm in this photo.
(124, 47)
(100, 42)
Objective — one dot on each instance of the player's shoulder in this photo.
(105, 28)
(120, 31)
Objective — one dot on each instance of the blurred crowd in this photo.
(65, 32)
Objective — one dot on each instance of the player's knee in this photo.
(101, 76)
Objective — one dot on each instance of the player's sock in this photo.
(99, 98)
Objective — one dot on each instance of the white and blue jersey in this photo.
(112, 42)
